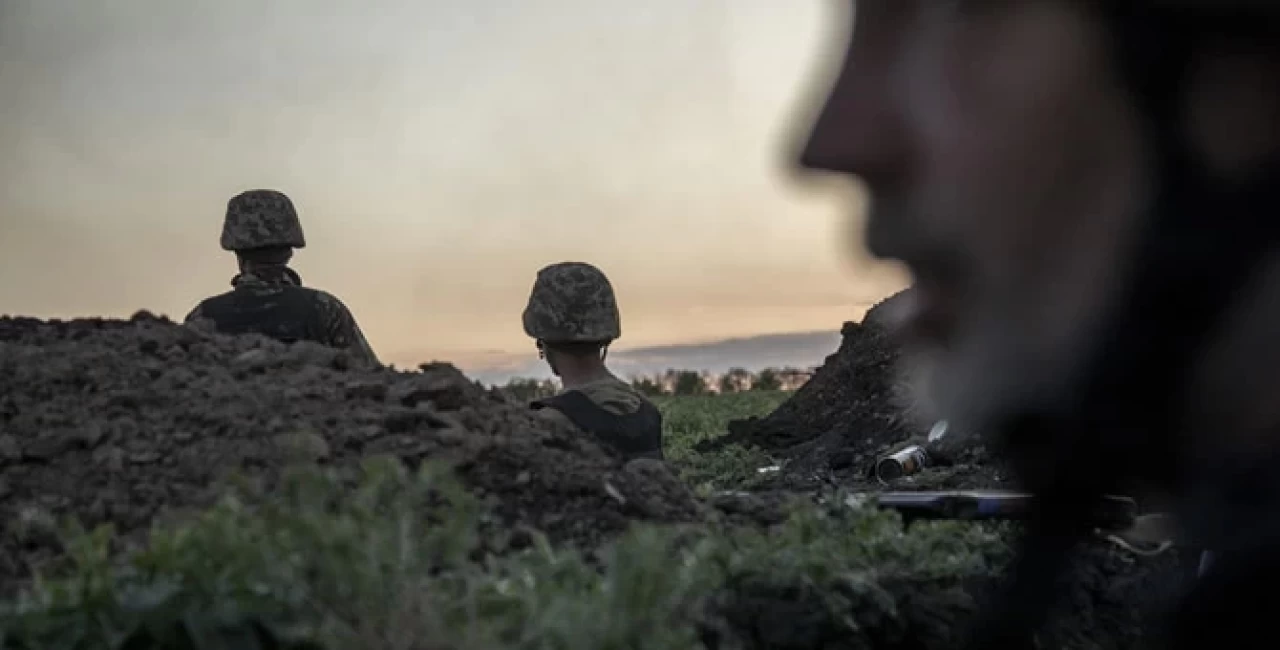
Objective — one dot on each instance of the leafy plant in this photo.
(391, 559)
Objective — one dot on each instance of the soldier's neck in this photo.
(583, 372)
(257, 267)
(267, 273)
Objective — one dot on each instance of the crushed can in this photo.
(904, 462)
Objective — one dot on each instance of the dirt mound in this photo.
(883, 313)
(852, 405)
(854, 410)
(119, 421)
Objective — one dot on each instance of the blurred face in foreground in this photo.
(1005, 168)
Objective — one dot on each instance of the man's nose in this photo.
(859, 130)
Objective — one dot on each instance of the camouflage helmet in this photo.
(261, 218)
(572, 302)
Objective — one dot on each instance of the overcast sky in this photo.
(439, 154)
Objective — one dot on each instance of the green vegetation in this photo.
(680, 383)
(692, 419)
(386, 558)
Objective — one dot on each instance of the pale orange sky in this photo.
(439, 154)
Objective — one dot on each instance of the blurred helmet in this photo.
(259, 219)
(572, 302)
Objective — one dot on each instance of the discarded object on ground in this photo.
(1115, 518)
(908, 460)
(1110, 513)
(1150, 534)
(904, 462)
(938, 431)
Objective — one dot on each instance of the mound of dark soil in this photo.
(122, 421)
(854, 410)
(852, 392)
(850, 410)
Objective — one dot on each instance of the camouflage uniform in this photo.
(572, 302)
(270, 299)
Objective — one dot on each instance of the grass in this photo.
(693, 419)
(391, 559)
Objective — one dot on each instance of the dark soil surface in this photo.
(123, 421)
(856, 390)
(126, 421)
(854, 411)
(850, 413)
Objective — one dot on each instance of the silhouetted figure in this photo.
(573, 316)
(1087, 195)
(267, 297)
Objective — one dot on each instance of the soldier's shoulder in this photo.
(614, 395)
(201, 315)
(619, 386)
(208, 300)
(644, 399)
(552, 416)
(207, 304)
(641, 398)
(321, 295)
(325, 299)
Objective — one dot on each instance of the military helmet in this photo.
(261, 218)
(572, 302)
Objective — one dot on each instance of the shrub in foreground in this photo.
(391, 559)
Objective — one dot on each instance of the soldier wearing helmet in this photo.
(573, 317)
(1087, 195)
(267, 297)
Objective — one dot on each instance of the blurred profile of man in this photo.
(1086, 194)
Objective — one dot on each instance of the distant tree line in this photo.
(526, 389)
(680, 382)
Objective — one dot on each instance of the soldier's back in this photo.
(274, 303)
(615, 412)
(287, 313)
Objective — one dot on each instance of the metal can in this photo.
(904, 462)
